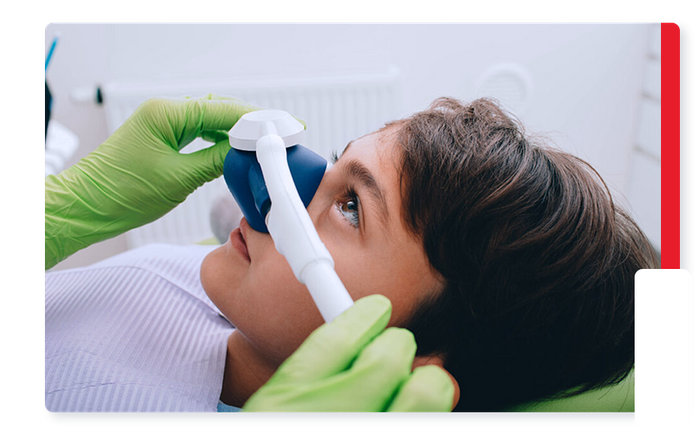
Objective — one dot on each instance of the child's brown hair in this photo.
(537, 259)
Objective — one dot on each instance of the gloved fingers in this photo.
(161, 127)
(214, 135)
(222, 114)
(323, 376)
(428, 389)
(205, 115)
(380, 369)
(177, 122)
(331, 348)
(208, 163)
(370, 383)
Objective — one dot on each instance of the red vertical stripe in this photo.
(670, 146)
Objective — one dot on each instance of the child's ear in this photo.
(436, 360)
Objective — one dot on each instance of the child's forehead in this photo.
(378, 143)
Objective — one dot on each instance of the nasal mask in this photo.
(273, 178)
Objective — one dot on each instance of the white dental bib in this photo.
(135, 332)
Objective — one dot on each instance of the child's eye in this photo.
(349, 208)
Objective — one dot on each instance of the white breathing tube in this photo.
(288, 222)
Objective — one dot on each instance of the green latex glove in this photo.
(354, 364)
(138, 174)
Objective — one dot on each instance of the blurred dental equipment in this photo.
(51, 49)
(273, 178)
(60, 142)
(48, 96)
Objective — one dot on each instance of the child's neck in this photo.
(245, 371)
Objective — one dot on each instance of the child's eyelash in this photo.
(334, 156)
(352, 216)
(350, 194)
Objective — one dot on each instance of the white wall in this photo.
(644, 178)
(580, 84)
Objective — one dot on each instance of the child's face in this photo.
(373, 254)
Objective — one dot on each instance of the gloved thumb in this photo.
(207, 164)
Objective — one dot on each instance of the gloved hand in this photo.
(354, 364)
(138, 174)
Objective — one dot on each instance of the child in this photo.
(507, 260)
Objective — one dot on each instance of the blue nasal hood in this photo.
(244, 179)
